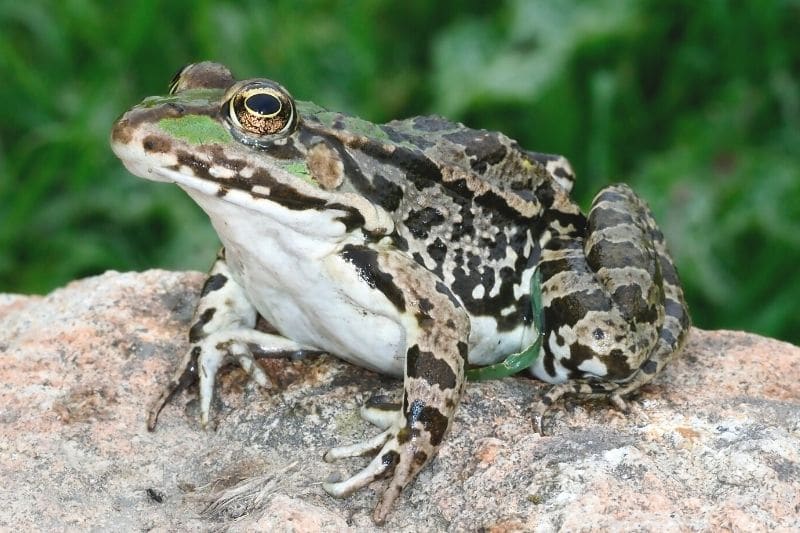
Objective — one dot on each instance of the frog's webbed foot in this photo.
(222, 332)
(581, 389)
(398, 457)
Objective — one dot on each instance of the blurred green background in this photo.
(697, 104)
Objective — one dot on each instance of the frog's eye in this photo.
(262, 110)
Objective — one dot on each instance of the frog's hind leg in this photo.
(613, 306)
(437, 333)
(222, 331)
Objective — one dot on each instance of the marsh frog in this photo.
(407, 248)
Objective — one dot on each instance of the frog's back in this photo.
(490, 156)
(469, 206)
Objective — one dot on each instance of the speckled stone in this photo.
(712, 444)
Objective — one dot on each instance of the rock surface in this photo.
(712, 444)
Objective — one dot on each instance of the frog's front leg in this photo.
(614, 312)
(437, 332)
(222, 330)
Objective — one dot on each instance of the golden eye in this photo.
(261, 111)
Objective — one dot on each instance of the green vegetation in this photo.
(696, 104)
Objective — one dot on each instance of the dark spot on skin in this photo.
(213, 283)
(578, 353)
(431, 418)
(598, 334)
(154, 144)
(404, 435)
(547, 400)
(674, 309)
(604, 217)
(617, 365)
(425, 305)
(481, 147)
(421, 221)
(365, 260)
(571, 307)
(450, 324)
(401, 243)
(437, 250)
(442, 289)
(387, 194)
(425, 365)
(463, 350)
(420, 457)
(390, 460)
(549, 361)
(196, 332)
(667, 336)
(632, 305)
(424, 320)
(649, 367)
(668, 272)
(619, 254)
(561, 172)
(352, 218)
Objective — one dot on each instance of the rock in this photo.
(712, 444)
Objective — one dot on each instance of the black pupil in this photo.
(264, 104)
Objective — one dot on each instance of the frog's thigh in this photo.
(614, 310)
(437, 331)
(652, 298)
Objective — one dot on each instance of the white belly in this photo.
(300, 284)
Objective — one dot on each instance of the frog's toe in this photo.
(208, 362)
(375, 470)
(555, 393)
(253, 369)
(597, 389)
(618, 402)
(361, 448)
(379, 411)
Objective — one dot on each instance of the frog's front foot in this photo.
(399, 456)
(223, 331)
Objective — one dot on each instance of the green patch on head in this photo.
(196, 129)
(300, 170)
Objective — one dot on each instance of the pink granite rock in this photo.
(712, 444)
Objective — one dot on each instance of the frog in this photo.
(413, 249)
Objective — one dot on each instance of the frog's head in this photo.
(244, 142)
